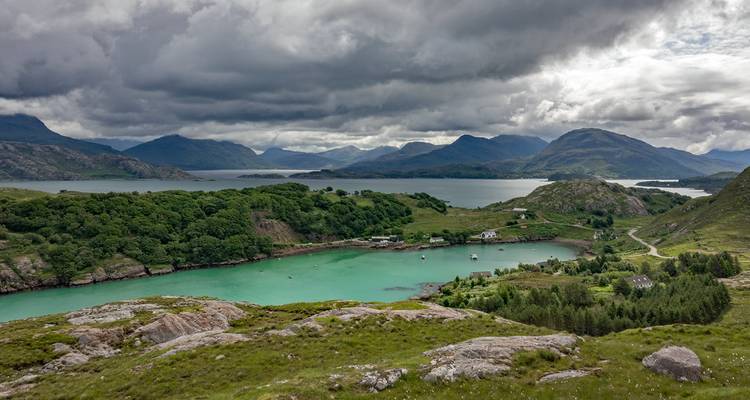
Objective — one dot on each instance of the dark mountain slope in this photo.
(706, 165)
(197, 154)
(607, 154)
(117, 144)
(466, 150)
(353, 154)
(741, 157)
(24, 128)
(28, 161)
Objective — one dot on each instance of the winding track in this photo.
(652, 251)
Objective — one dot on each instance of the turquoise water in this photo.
(364, 275)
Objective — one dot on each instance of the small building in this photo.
(437, 239)
(519, 210)
(488, 235)
(481, 274)
(640, 282)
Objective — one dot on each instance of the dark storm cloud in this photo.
(142, 62)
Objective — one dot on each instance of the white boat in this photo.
(474, 257)
(423, 257)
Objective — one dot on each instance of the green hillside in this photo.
(594, 196)
(712, 223)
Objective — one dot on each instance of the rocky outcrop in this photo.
(215, 315)
(22, 384)
(377, 381)
(66, 361)
(430, 311)
(111, 312)
(25, 273)
(96, 342)
(124, 270)
(680, 363)
(565, 375)
(487, 356)
(200, 339)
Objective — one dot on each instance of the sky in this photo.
(313, 75)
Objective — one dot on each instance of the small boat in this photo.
(423, 257)
(501, 249)
(474, 257)
(290, 277)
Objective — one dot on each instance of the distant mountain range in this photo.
(583, 152)
(197, 154)
(466, 150)
(31, 151)
(353, 154)
(740, 156)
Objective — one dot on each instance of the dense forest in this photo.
(687, 293)
(73, 232)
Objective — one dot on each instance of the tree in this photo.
(622, 287)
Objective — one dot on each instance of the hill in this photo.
(26, 161)
(353, 154)
(612, 155)
(706, 165)
(594, 197)
(24, 128)
(197, 154)
(721, 221)
(741, 156)
(282, 158)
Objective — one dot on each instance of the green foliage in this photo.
(424, 200)
(73, 232)
(622, 287)
(721, 265)
(688, 299)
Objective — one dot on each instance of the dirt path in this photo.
(652, 251)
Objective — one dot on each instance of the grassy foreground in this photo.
(299, 367)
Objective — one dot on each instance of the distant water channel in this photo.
(468, 193)
(364, 275)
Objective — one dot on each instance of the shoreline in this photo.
(299, 249)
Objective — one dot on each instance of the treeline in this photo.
(424, 200)
(73, 232)
(685, 291)
(685, 299)
(721, 265)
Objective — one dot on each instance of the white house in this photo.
(437, 240)
(519, 210)
(488, 235)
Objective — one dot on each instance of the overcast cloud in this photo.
(318, 74)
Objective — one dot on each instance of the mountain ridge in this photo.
(197, 154)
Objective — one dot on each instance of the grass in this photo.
(427, 220)
(271, 367)
(20, 194)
